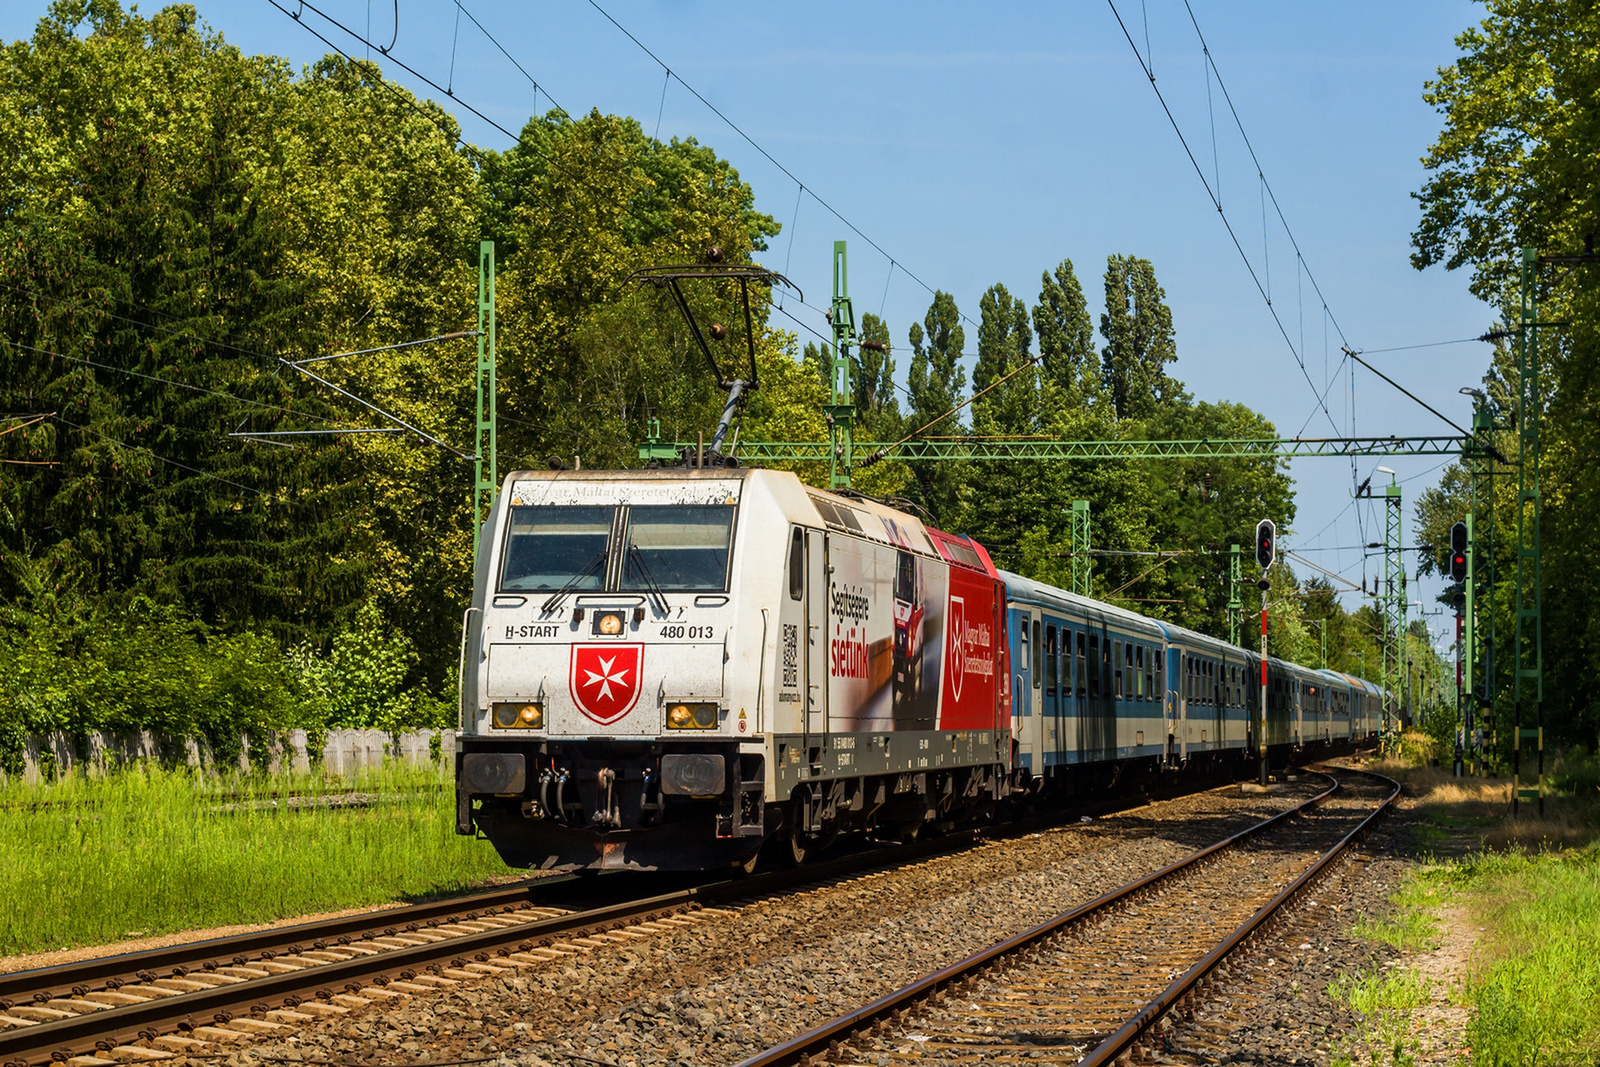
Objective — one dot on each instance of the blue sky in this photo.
(985, 143)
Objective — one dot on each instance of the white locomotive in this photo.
(661, 669)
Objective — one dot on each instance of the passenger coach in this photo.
(666, 669)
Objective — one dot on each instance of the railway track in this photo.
(189, 998)
(1086, 986)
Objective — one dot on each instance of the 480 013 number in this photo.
(703, 633)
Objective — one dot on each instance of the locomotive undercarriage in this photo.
(610, 804)
(565, 805)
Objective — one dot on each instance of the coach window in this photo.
(557, 547)
(1036, 671)
(1140, 689)
(1094, 666)
(1105, 663)
(1149, 673)
(1082, 671)
(1066, 663)
(1050, 664)
(797, 564)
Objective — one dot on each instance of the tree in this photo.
(1137, 326)
(1066, 338)
(877, 406)
(1005, 383)
(1517, 165)
(937, 385)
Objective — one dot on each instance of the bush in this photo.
(135, 664)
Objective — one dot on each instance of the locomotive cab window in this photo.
(553, 547)
(678, 548)
(797, 564)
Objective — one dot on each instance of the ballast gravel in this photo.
(724, 989)
(1275, 1001)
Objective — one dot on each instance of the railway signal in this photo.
(1458, 552)
(1266, 543)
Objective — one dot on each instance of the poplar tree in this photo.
(1137, 326)
(937, 383)
(1071, 366)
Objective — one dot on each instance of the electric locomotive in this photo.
(661, 668)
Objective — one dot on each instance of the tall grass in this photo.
(148, 851)
(1537, 998)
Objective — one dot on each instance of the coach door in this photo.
(814, 723)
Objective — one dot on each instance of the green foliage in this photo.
(1517, 165)
(184, 214)
(1140, 341)
(937, 384)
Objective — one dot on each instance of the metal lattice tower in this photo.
(1082, 563)
(1235, 602)
(1392, 602)
(1529, 679)
(841, 412)
(485, 448)
(1478, 687)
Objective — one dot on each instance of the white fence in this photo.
(343, 751)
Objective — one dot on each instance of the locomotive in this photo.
(667, 669)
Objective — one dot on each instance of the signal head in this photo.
(1458, 552)
(1266, 543)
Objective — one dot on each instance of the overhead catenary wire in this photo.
(1232, 235)
(157, 455)
(166, 381)
(1448, 421)
(751, 141)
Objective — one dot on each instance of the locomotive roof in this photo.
(853, 514)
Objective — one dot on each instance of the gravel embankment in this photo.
(721, 990)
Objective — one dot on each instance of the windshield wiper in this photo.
(657, 597)
(555, 599)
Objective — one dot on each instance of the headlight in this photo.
(518, 716)
(691, 716)
(608, 623)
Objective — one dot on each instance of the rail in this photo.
(819, 1040)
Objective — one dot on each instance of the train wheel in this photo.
(741, 868)
(797, 847)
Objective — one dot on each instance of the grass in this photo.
(1536, 991)
(1400, 989)
(1532, 885)
(1385, 1000)
(1407, 930)
(147, 851)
